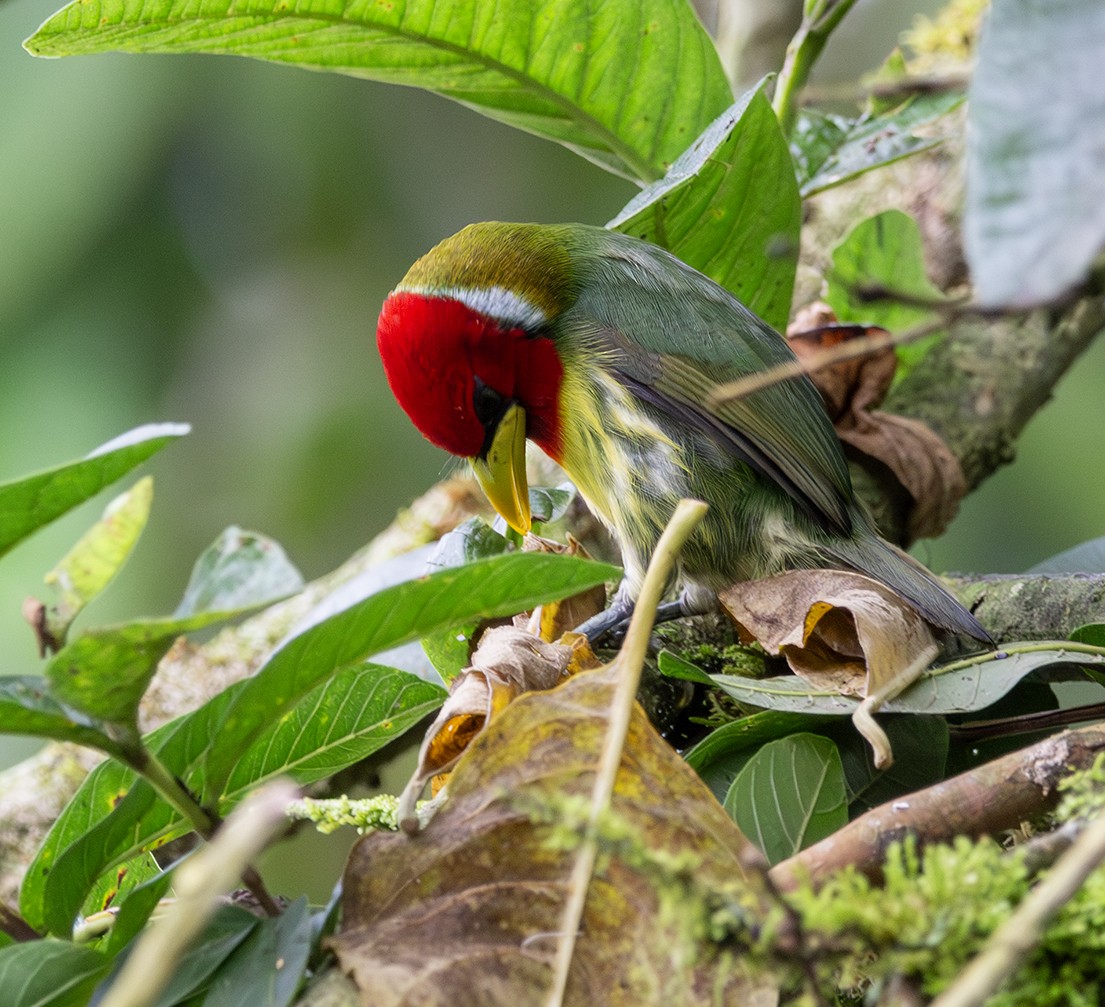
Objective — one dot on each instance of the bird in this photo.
(603, 350)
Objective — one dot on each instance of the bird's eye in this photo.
(487, 403)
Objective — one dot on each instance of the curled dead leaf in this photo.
(507, 663)
(921, 462)
(840, 630)
(467, 912)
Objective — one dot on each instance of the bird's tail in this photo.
(900, 572)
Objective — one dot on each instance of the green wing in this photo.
(673, 335)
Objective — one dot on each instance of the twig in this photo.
(851, 350)
(17, 928)
(630, 660)
(1015, 939)
(198, 883)
(995, 796)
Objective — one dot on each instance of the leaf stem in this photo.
(820, 19)
(203, 821)
(630, 662)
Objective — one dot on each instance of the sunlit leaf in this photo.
(135, 910)
(1035, 213)
(831, 149)
(29, 503)
(239, 570)
(558, 69)
(730, 208)
(97, 557)
(49, 973)
(789, 795)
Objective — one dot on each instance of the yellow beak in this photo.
(502, 474)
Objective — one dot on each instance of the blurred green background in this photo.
(208, 240)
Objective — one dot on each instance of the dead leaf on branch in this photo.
(839, 630)
(924, 465)
(467, 911)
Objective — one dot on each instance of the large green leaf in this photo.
(1035, 214)
(29, 503)
(729, 206)
(627, 85)
(111, 819)
(789, 795)
(501, 585)
(49, 973)
(337, 724)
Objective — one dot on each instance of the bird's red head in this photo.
(454, 368)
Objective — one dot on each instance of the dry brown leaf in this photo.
(924, 465)
(507, 663)
(466, 912)
(841, 630)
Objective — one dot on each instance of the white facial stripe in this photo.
(496, 302)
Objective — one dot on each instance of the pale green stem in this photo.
(821, 18)
(630, 663)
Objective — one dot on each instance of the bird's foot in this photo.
(609, 627)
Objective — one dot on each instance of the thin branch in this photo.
(992, 797)
(17, 928)
(630, 660)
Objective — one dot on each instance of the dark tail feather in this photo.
(903, 574)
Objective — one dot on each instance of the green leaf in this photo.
(97, 557)
(958, 687)
(883, 253)
(26, 707)
(790, 795)
(265, 970)
(722, 754)
(114, 888)
(337, 724)
(29, 503)
(1087, 557)
(1092, 633)
(111, 819)
(239, 570)
(449, 650)
(136, 909)
(673, 666)
(49, 973)
(501, 585)
(920, 746)
(831, 149)
(104, 672)
(558, 69)
(550, 503)
(730, 208)
(1035, 213)
(228, 929)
